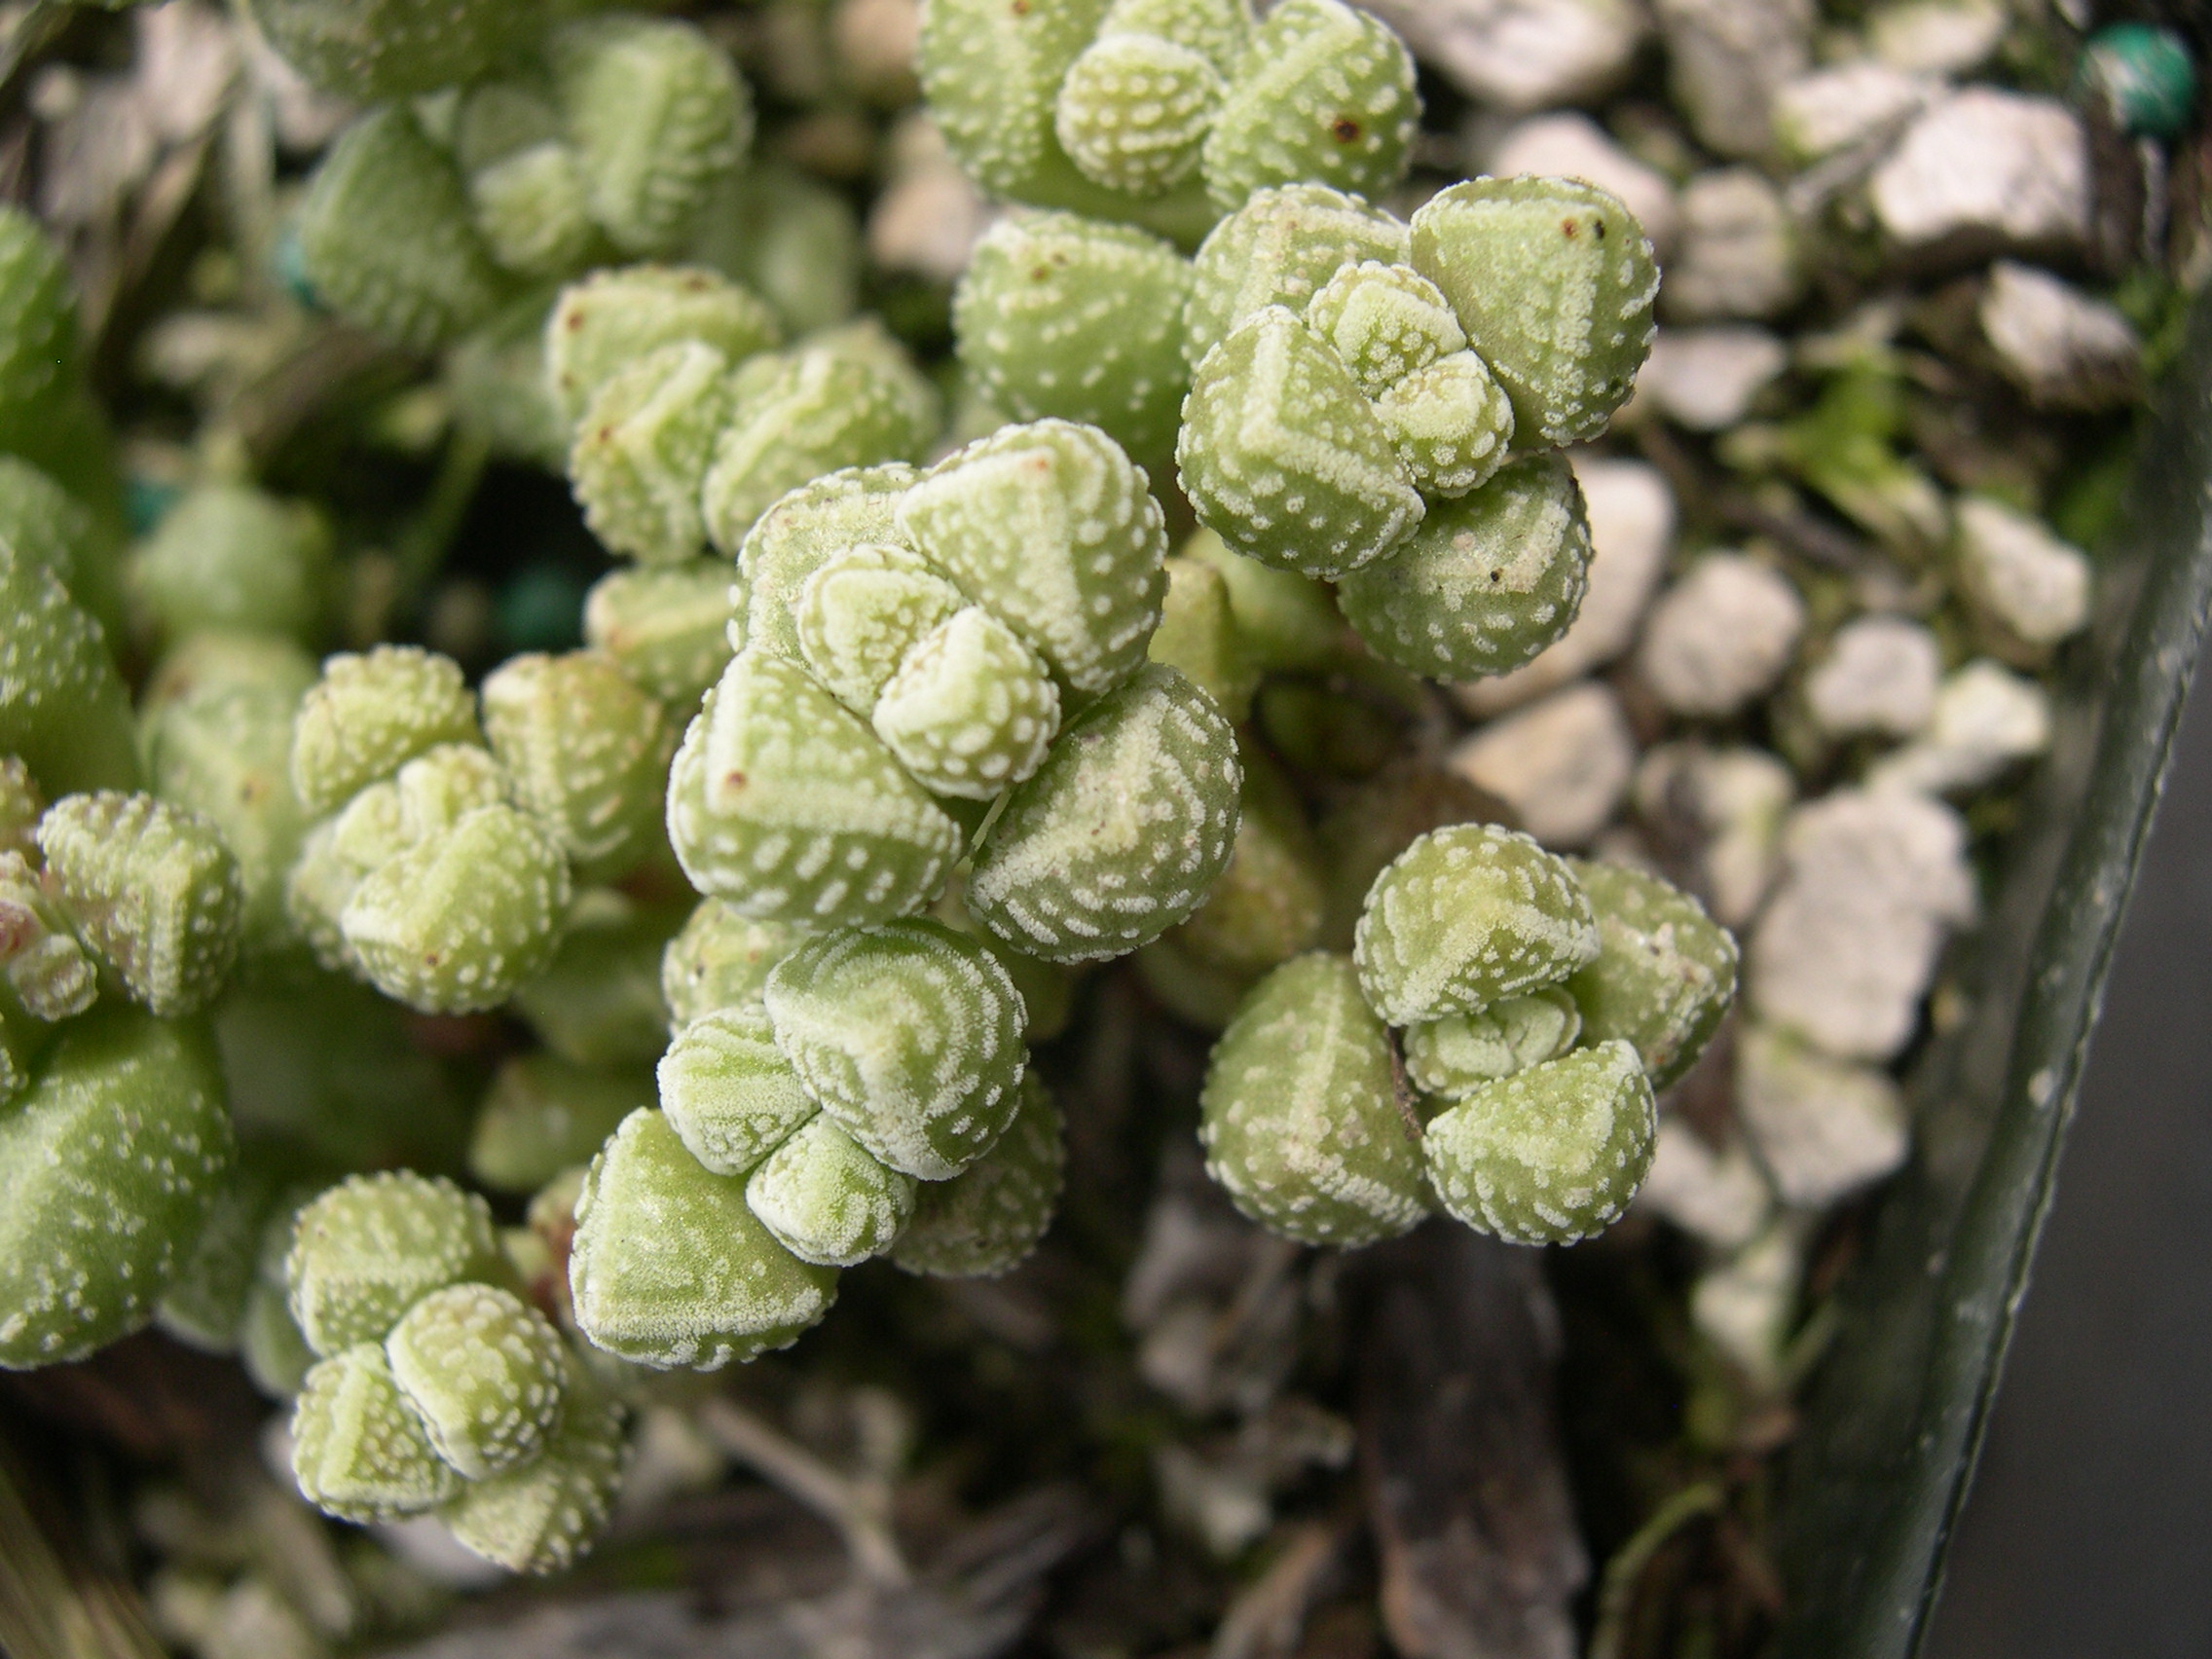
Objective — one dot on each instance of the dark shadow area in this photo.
(2089, 1528)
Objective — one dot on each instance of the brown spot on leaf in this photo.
(1344, 130)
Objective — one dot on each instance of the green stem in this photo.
(1624, 1573)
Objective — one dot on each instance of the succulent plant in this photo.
(1489, 1047)
(437, 1389)
(1359, 387)
(1167, 112)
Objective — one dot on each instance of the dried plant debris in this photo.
(839, 816)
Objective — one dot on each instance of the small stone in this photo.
(1720, 636)
(1738, 798)
(1987, 167)
(1706, 377)
(1562, 764)
(1719, 1197)
(1737, 251)
(1937, 37)
(1522, 54)
(930, 216)
(1987, 719)
(1632, 529)
(1837, 108)
(1824, 1128)
(2061, 348)
(1569, 144)
(2018, 577)
(1725, 60)
(1872, 882)
(1746, 1306)
(1879, 678)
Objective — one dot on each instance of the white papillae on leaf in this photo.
(1553, 282)
(783, 803)
(1465, 916)
(111, 1160)
(860, 612)
(1281, 248)
(642, 447)
(372, 713)
(718, 959)
(1052, 528)
(666, 626)
(1285, 457)
(657, 115)
(1321, 92)
(584, 750)
(1122, 832)
(151, 888)
(727, 1091)
(483, 1371)
(1133, 111)
(369, 1248)
(1462, 1050)
(828, 1199)
(971, 709)
(616, 316)
(851, 508)
(457, 921)
(1062, 316)
(359, 1451)
(986, 1219)
(1550, 1155)
(1452, 423)
(1665, 972)
(992, 73)
(837, 401)
(1384, 321)
(668, 1269)
(910, 1035)
(540, 1517)
(1486, 582)
(1301, 1124)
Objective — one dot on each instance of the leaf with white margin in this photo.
(910, 1035)
(1122, 832)
(669, 1270)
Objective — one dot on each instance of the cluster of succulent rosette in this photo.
(926, 738)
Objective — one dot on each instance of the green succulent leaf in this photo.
(387, 239)
(371, 714)
(908, 1034)
(783, 803)
(1053, 529)
(1550, 1155)
(1465, 917)
(988, 1219)
(1486, 582)
(112, 1160)
(1122, 832)
(541, 1517)
(668, 1269)
(727, 1091)
(1323, 94)
(1665, 972)
(1300, 1118)
(1285, 458)
(1553, 282)
(1061, 316)
(827, 1200)
(359, 1451)
(371, 1247)
(483, 1371)
(1462, 1052)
